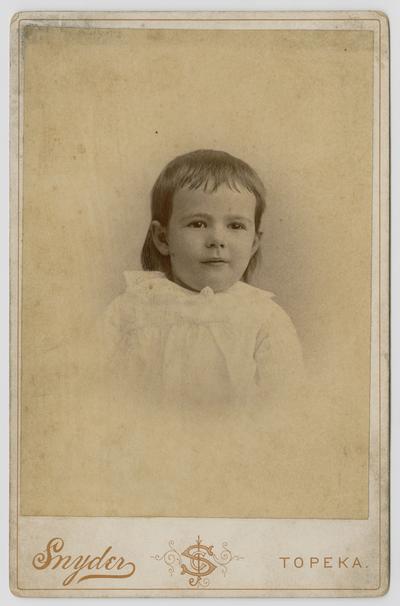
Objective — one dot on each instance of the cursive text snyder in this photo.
(111, 566)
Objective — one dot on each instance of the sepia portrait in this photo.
(198, 250)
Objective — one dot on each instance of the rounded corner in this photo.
(383, 19)
(15, 19)
(15, 590)
(383, 589)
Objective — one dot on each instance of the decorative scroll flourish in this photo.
(225, 557)
(171, 557)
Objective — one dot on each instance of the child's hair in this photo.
(206, 169)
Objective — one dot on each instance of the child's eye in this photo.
(197, 224)
(237, 225)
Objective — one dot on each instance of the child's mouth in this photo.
(214, 261)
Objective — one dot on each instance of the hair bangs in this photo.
(210, 178)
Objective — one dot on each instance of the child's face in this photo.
(210, 237)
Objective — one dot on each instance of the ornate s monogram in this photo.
(200, 566)
(111, 567)
(201, 562)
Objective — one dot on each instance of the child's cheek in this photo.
(193, 239)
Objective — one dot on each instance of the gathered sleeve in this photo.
(113, 328)
(278, 354)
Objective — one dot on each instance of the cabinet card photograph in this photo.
(199, 304)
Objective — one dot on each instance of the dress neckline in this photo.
(149, 279)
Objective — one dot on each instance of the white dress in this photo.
(195, 347)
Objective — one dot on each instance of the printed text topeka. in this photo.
(321, 562)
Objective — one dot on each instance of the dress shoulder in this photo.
(138, 289)
(275, 324)
(261, 303)
(136, 279)
(253, 292)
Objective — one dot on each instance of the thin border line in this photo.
(380, 306)
(154, 517)
(379, 224)
(19, 295)
(212, 20)
(19, 292)
(225, 589)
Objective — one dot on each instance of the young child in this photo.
(189, 327)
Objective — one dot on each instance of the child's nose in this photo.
(215, 239)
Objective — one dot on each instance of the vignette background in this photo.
(104, 110)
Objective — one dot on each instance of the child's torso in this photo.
(189, 344)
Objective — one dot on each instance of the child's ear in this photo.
(256, 242)
(159, 235)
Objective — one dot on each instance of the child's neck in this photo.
(176, 280)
